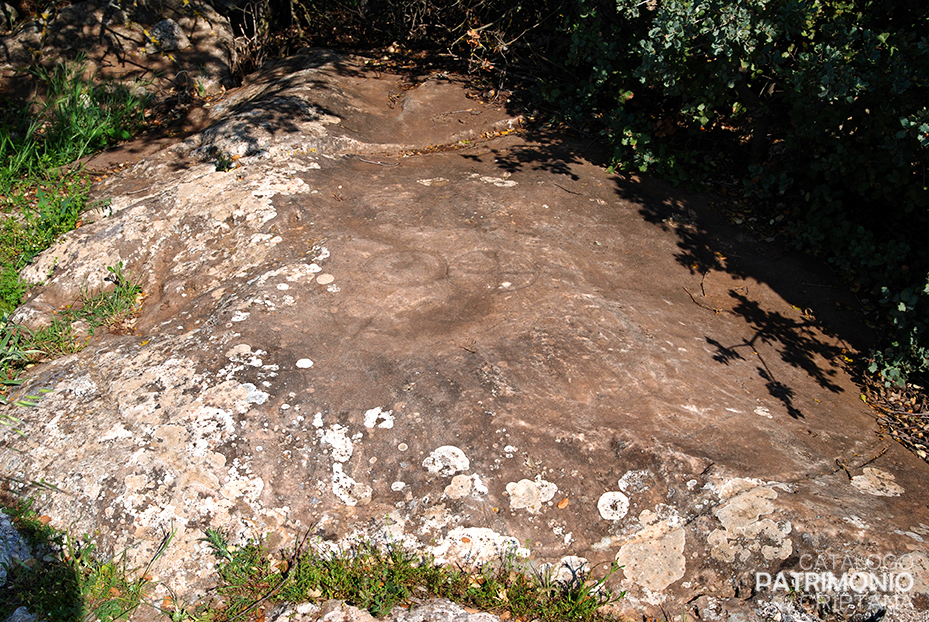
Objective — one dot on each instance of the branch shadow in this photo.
(706, 242)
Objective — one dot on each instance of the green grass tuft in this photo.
(381, 578)
(71, 328)
(77, 118)
(66, 580)
(40, 200)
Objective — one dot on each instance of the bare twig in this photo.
(378, 163)
(702, 306)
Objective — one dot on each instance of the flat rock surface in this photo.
(394, 318)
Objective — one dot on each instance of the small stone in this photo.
(403, 447)
(167, 36)
(304, 364)
(325, 279)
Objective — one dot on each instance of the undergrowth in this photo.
(380, 578)
(42, 196)
(70, 328)
(40, 199)
(75, 119)
(65, 579)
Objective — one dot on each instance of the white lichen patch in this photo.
(653, 556)
(654, 563)
(337, 438)
(242, 353)
(253, 394)
(379, 417)
(916, 563)
(209, 427)
(635, 481)
(446, 460)
(530, 495)
(856, 522)
(476, 546)
(878, 483)
(613, 505)
(117, 432)
(347, 489)
(293, 273)
(435, 518)
(499, 182)
(459, 487)
(744, 532)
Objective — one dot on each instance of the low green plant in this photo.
(70, 328)
(74, 325)
(66, 579)
(39, 199)
(77, 118)
(31, 219)
(14, 342)
(379, 578)
(224, 162)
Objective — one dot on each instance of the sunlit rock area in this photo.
(377, 309)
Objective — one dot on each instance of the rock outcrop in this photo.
(375, 311)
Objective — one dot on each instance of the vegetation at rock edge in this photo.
(42, 198)
(67, 580)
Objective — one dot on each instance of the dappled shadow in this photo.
(795, 340)
(706, 243)
(546, 151)
(534, 158)
(247, 122)
(795, 343)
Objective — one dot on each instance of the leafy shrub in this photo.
(825, 101)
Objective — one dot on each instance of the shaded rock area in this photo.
(168, 44)
(375, 311)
